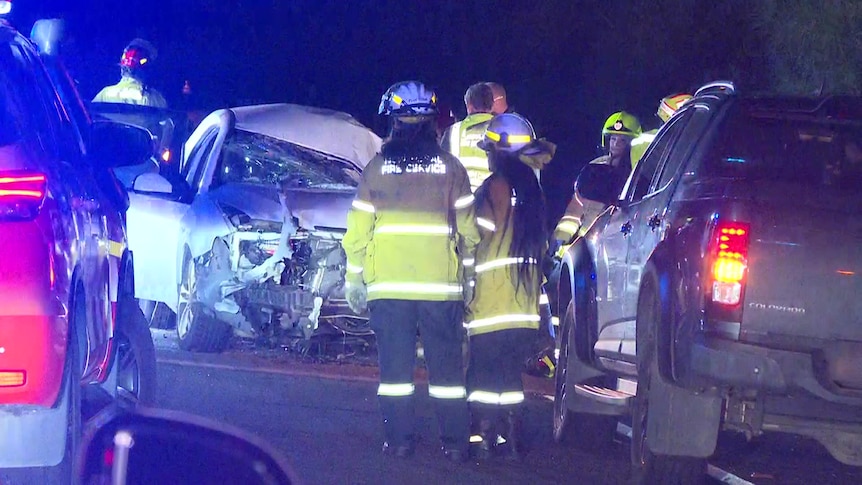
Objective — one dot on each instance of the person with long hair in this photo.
(503, 315)
(412, 212)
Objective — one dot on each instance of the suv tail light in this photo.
(729, 251)
(21, 194)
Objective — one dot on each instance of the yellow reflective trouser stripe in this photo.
(447, 392)
(465, 201)
(568, 227)
(499, 263)
(353, 268)
(502, 398)
(501, 319)
(363, 206)
(429, 288)
(395, 390)
(469, 261)
(438, 230)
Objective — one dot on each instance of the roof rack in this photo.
(723, 86)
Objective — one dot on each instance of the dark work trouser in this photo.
(439, 323)
(494, 385)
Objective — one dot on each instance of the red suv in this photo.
(70, 329)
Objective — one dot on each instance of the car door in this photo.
(154, 224)
(648, 198)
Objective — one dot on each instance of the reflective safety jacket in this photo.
(580, 213)
(460, 140)
(498, 304)
(640, 144)
(131, 91)
(404, 227)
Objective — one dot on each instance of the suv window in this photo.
(645, 170)
(22, 108)
(688, 138)
(773, 147)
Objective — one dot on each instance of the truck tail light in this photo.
(729, 256)
(21, 194)
(13, 378)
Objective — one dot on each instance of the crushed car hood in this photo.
(313, 208)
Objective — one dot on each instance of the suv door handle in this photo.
(626, 228)
(654, 222)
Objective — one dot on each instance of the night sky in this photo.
(567, 64)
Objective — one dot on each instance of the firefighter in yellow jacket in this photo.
(412, 210)
(461, 138)
(135, 64)
(617, 134)
(503, 316)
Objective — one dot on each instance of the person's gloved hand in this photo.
(357, 296)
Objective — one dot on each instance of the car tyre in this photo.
(135, 358)
(589, 431)
(647, 467)
(197, 331)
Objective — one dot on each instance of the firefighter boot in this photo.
(514, 436)
(488, 432)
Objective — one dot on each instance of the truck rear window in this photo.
(791, 149)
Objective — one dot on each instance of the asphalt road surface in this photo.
(324, 419)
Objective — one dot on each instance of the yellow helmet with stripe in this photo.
(670, 104)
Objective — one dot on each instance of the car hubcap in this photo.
(184, 322)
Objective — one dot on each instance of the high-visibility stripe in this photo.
(465, 201)
(500, 399)
(428, 288)
(543, 299)
(447, 392)
(568, 227)
(363, 206)
(643, 139)
(469, 261)
(485, 223)
(395, 390)
(116, 248)
(498, 263)
(501, 319)
(353, 269)
(555, 321)
(434, 230)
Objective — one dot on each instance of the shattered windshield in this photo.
(253, 158)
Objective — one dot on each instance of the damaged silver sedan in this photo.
(250, 244)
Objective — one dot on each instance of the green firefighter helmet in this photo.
(621, 123)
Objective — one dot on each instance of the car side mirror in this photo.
(599, 183)
(48, 34)
(158, 446)
(113, 144)
(152, 183)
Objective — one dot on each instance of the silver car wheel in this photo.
(187, 290)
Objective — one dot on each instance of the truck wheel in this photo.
(647, 467)
(198, 332)
(135, 357)
(590, 431)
